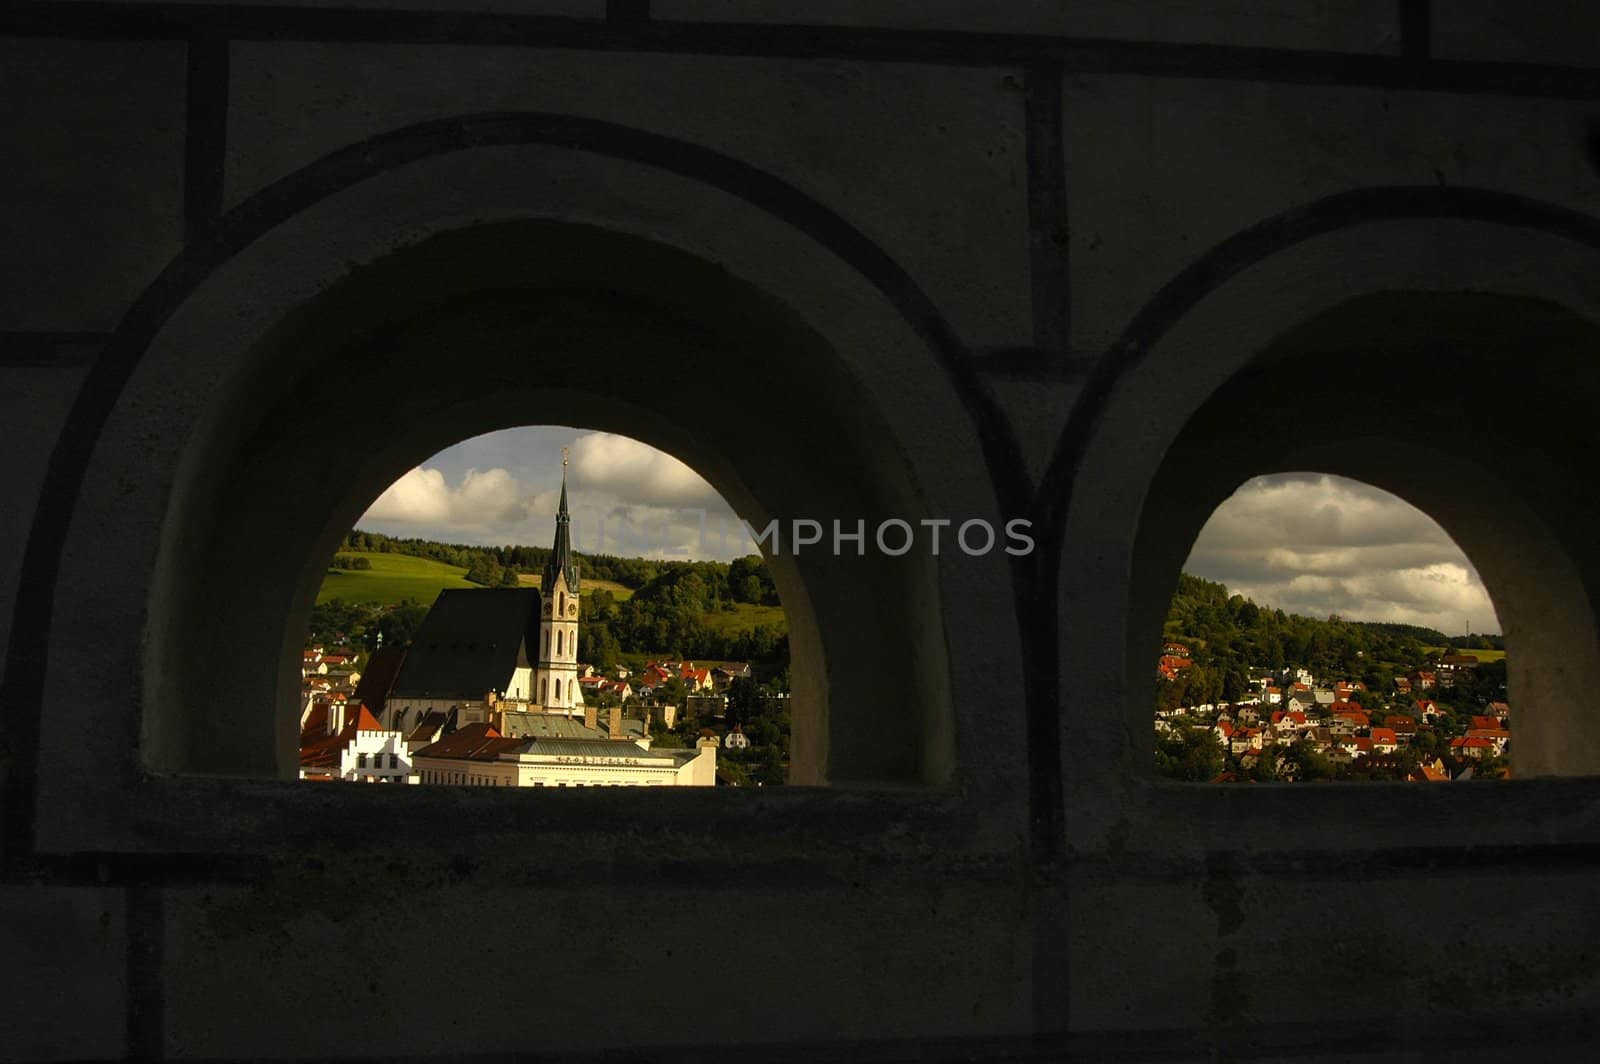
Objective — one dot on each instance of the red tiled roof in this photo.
(1385, 735)
(475, 742)
(1472, 742)
(1484, 723)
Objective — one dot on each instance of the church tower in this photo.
(555, 684)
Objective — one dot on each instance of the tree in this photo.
(744, 700)
(399, 625)
(508, 578)
(1191, 754)
(484, 570)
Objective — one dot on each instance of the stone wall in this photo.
(943, 260)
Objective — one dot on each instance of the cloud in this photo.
(627, 469)
(626, 498)
(484, 499)
(1316, 545)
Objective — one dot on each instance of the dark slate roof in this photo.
(559, 726)
(470, 643)
(378, 678)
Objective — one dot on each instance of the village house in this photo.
(1473, 747)
(358, 749)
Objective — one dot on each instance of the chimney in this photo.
(616, 722)
(591, 716)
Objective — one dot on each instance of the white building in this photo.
(479, 756)
(359, 749)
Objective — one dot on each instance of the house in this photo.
(698, 681)
(1323, 698)
(361, 750)
(1430, 772)
(1427, 707)
(737, 740)
(1320, 738)
(1274, 696)
(1501, 710)
(1384, 740)
(430, 729)
(1424, 680)
(1354, 718)
(1403, 726)
(726, 674)
(1302, 702)
(1493, 732)
(1176, 650)
(1402, 685)
(1473, 747)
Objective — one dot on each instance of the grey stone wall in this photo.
(973, 260)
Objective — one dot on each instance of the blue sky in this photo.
(1306, 543)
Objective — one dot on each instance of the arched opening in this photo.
(433, 624)
(1443, 401)
(518, 323)
(1323, 629)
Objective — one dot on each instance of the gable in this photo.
(472, 641)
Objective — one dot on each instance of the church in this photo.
(482, 655)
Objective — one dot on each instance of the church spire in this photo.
(561, 560)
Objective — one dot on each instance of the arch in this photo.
(1381, 207)
(1344, 266)
(235, 276)
(544, 352)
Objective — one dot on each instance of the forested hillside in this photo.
(1229, 637)
(712, 611)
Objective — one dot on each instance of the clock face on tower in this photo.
(572, 609)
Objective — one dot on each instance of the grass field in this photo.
(1484, 656)
(620, 591)
(396, 577)
(745, 616)
(392, 578)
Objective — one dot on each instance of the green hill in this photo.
(393, 578)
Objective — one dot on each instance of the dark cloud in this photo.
(1317, 545)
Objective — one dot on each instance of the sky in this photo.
(625, 497)
(1302, 542)
(1314, 544)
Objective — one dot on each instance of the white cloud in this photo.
(626, 497)
(483, 500)
(627, 469)
(1317, 545)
